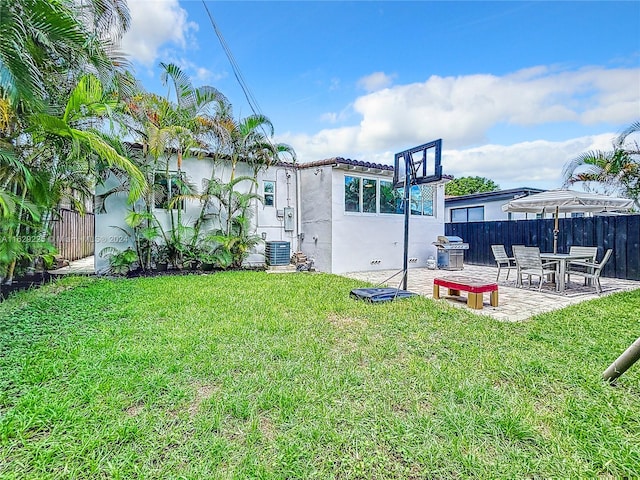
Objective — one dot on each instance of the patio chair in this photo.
(503, 260)
(581, 264)
(589, 270)
(530, 264)
(593, 251)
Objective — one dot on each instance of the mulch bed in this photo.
(41, 278)
(24, 283)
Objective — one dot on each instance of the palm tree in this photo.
(617, 170)
(78, 141)
(249, 140)
(234, 238)
(56, 156)
(184, 122)
(45, 39)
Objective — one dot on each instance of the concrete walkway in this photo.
(84, 266)
(515, 304)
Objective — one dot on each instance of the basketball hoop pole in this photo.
(415, 173)
(407, 188)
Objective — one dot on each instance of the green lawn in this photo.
(250, 375)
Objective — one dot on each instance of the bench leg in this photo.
(493, 298)
(436, 291)
(474, 300)
(454, 292)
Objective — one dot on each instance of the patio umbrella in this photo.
(566, 201)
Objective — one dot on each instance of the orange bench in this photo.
(473, 286)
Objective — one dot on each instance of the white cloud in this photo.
(335, 117)
(330, 117)
(464, 110)
(154, 24)
(375, 81)
(538, 163)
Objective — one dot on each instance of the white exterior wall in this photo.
(492, 211)
(337, 241)
(105, 234)
(316, 208)
(355, 241)
(265, 219)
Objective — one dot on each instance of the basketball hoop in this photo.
(416, 166)
(423, 164)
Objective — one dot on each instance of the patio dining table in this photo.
(562, 259)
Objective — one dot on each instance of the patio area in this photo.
(515, 304)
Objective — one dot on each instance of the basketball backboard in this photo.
(423, 162)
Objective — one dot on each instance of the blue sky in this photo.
(515, 89)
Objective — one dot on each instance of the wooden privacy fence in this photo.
(73, 234)
(620, 232)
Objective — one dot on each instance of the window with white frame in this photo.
(390, 199)
(351, 194)
(269, 193)
(421, 200)
(369, 195)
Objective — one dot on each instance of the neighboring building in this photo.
(486, 206)
(343, 214)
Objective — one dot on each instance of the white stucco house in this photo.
(352, 221)
(343, 214)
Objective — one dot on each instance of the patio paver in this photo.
(516, 304)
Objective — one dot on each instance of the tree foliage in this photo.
(469, 185)
(66, 103)
(616, 171)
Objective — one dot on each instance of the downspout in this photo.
(298, 210)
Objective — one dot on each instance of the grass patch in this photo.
(249, 375)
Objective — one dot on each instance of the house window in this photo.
(269, 192)
(469, 214)
(390, 199)
(351, 194)
(165, 187)
(420, 200)
(369, 195)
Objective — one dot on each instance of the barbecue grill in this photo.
(450, 252)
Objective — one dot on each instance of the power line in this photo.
(251, 100)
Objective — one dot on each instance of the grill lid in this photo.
(449, 239)
(450, 242)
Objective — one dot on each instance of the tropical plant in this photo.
(234, 240)
(43, 40)
(249, 140)
(145, 230)
(120, 262)
(615, 171)
(56, 156)
(169, 128)
(50, 141)
(161, 254)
